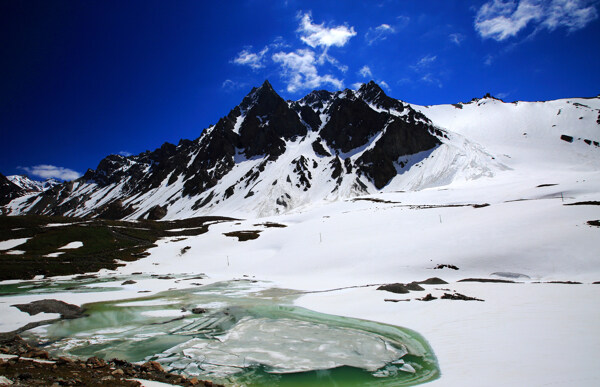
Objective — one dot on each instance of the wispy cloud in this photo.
(357, 85)
(379, 33)
(427, 70)
(384, 85)
(317, 35)
(429, 78)
(324, 57)
(253, 59)
(125, 153)
(500, 20)
(228, 84)
(456, 38)
(365, 72)
(46, 171)
(300, 70)
(426, 60)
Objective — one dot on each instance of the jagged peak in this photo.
(370, 88)
(265, 92)
(372, 93)
(266, 84)
(316, 98)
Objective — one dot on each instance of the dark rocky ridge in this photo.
(8, 190)
(353, 122)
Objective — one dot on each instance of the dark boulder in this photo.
(433, 281)
(67, 311)
(157, 212)
(566, 138)
(394, 288)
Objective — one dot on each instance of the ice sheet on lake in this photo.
(284, 346)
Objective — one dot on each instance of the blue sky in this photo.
(84, 79)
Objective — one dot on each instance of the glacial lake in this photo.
(242, 333)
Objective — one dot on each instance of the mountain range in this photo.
(269, 156)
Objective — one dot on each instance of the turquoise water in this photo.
(248, 335)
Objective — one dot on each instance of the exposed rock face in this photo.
(352, 124)
(400, 138)
(355, 142)
(268, 122)
(8, 190)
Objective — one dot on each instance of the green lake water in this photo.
(248, 334)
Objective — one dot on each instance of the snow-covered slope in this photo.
(269, 156)
(527, 135)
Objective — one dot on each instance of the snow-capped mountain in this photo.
(30, 185)
(270, 156)
(19, 185)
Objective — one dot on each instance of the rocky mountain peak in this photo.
(370, 90)
(263, 95)
(374, 95)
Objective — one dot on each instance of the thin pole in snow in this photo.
(440, 218)
(228, 260)
(320, 238)
(562, 199)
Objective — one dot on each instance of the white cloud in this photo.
(317, 35)
(50, 171)
(379, 33)
(489, 59)
(125, 153)
(357, 85)
(456, 38)
(365, 72)
(384, 85)
(500, 20)
(572, 14)
(252, 59)
(300, 70)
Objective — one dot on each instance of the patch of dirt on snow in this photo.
(243, 236)
(494, 280)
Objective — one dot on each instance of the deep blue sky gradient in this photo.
(83, 79)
